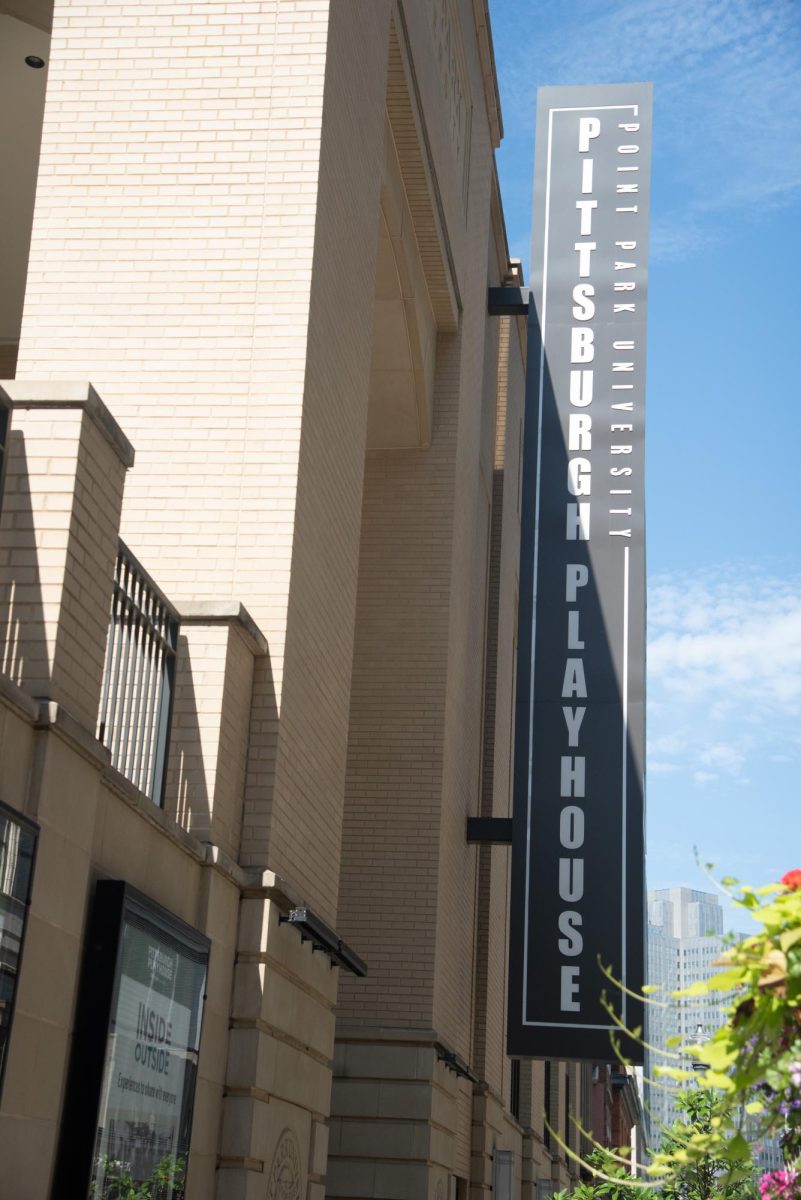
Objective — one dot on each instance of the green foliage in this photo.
(754, 1061)
(710, 1177)
(166, 1182)
(613, 1181)
(750, 1078)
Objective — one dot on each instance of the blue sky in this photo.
(724, 399)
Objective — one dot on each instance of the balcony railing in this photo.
(139, 677)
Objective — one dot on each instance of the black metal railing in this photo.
(5, 425)
(139, 677)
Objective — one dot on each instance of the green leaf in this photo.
(699, 988)
(754, 1106)
(738, 1149)
(676, 1073)
(716, 1054)
(725, 981)
(717, 1079)
(789, 938)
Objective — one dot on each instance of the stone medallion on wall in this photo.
(285, 1174)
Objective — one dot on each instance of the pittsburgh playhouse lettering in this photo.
(611, 400)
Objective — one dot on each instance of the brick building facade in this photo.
(251, 339)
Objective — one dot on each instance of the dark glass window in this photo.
(5, 421)
(17, 846)
(128, 1113)
(514, 1100)
(546, 1133)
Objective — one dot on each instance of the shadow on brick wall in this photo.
(23, 643)
(187, 797)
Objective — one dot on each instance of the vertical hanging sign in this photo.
(578, 847)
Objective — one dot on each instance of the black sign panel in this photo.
(131, 1086)
(578, 848)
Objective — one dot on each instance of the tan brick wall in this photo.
(207, 215)
(175, 223)
(496, 792)
(58, 542)
(308, 791)
(90, 828)
(210, 726)
(415, 749)
(182, 214)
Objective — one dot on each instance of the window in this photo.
(5, 421)
(17, 847)
(502, 1174)
(128, 1110)
(514, 1099)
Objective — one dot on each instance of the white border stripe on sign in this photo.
(634, 108)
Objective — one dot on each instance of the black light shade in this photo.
(323, 938)
(33, 60)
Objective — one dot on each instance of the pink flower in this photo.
(792, 879)
(779, 1185)
(795, 1073)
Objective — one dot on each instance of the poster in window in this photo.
(128, 1114)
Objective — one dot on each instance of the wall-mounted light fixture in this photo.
(33, 60)
(454, 1062)
(313, 929)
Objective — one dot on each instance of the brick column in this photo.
(217, 649)
(66, 465)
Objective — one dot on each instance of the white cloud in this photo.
(729, 638)
(723, 757)
(724, 673)
(655, 767)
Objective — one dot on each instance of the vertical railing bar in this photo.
(156, 685)
(118, 751)
(141, 757)
(153, 707)
(153, 744)
(139, 677)
(109, 689)
(158, 696)
(125, 688)
(117, 755)
(130, 733)
(165, 714)
(115, 691)
(110, 649)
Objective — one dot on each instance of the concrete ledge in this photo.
(266, 885)
(202, 852)
(52, 715)
(241, 1164)
(48, 715)
(489, 74)
(225, 612)
(205, 853)
(217, 858)
(420, 1036)
(12, 694)
(69, 394)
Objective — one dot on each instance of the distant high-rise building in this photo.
(685, 929)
